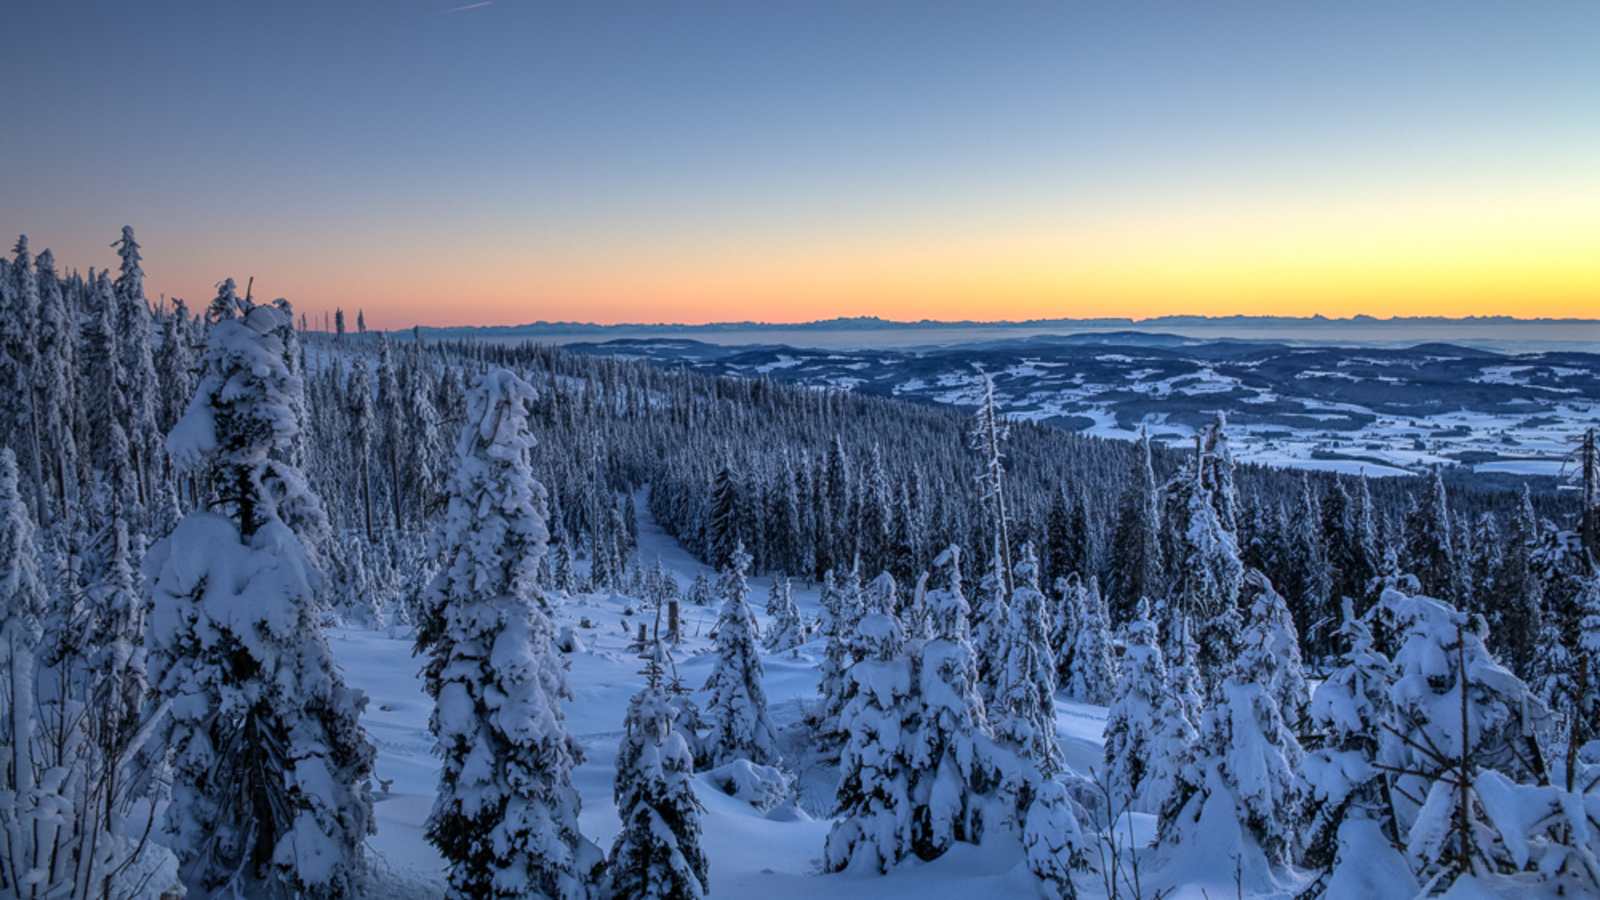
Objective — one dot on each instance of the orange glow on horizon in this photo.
(1532, 251)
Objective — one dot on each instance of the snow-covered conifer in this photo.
(259, 711)
(1093, 671)
(26, 814)
(700, 591)
(1071, 595)
(1347, 791)
(1024, 709)
(54, 385)
(138, 366)
(1053, 841)
(656, 855)
(1148, 732)
(1136, 564)
(1455, 709)
(991, 618)
(1429, 553)
(787, 629)
(1270, 625)
(358, 396)
(736, 708)
(506, 815)
(873, 830)
(1243, 771)
(945, 764)
(724, 533)
(986, 437)
(842, 608)
(1586, 711)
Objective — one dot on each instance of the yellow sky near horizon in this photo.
(1527, 249)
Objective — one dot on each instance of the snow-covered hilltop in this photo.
(287, 614)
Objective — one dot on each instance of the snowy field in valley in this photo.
(1381, 410)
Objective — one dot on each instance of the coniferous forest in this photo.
(1301, 684)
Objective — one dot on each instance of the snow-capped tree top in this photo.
(130, 283)
(1353, 699)
(1439, 646)
(882, 594)
(499, 408)
(496, 519)
(947, 605)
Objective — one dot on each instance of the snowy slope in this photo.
(774, 856)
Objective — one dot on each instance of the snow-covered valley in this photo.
(774, 855)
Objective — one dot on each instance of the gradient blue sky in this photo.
(660, 161)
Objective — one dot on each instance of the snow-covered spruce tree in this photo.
(54, 386)
(1349, 812)
(270, 764)
(19, 334)
(1586, 711)
(873, 528)
(424, 467)
(1457, 712)
(1094, 674)
(1053, 841)
(506, 815)
(700, 592)
(1428, 550)
(787, 630)
(23, 602)
(986, 437)
(105, 402)
(358, 397)
(841, 610)
(1241, 784)
(1518, 594)
(945, 764)
(1270, 625)
(1024, 711)
(1148, 733)
(1135, 569)
(138, 366)
(912, 611)
(883, 595)
(991, 618)
(1068, 618)
(874, 826)
(561, 573)
(656, 855)
(736, 706)
(1206, 574)
(723, 532)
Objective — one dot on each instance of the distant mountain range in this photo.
(1492, 332)
(858, 323)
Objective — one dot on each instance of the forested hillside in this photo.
(189, 499)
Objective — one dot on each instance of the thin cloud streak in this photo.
(469, 7)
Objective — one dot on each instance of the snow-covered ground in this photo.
(774, 856)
